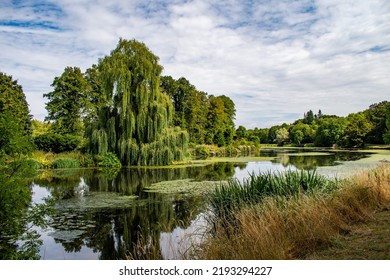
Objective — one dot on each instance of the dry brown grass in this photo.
(292, 228)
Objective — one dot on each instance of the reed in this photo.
(295, 226)
(236, 194)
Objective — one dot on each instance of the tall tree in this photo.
(330, 131)
(386, 132)
(13, 103)
(134, 119)
(308, 117)
(376, 115)
(94, 94)
(68, 101)
(15, 120)
(282, 136)
(195, 114)
(356, 130)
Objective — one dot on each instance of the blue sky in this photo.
(275, 59)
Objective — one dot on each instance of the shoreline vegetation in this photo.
(259, 219)
(122, 113)
(201, 154)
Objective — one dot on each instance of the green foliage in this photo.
(208, 119)
(39, 128)
(66, 163)
(330, 131)
(13, 104)
(180, 91)
(301, 133)
(241, 133)
(258, 186)
(356, 130)
(18, 218)
(57, 143)
(13, 140)
(134, 116)
(15, 121)
(386, 133)
(46, 159)
(202, 151)
(67, 102)
(110, 160)
(376, 114)
(281, 136)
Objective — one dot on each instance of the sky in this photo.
(276, 59)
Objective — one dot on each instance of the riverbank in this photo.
(298, 228)
(368, 240)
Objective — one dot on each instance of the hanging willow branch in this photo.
(133, 121)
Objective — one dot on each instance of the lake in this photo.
(101, 214)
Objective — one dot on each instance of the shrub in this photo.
(33, 163)
(202, 151)
(66, 163)
(110, 160)
(57, 143)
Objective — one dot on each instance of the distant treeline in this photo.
(370, 126)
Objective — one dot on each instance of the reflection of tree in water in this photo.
(113, 231)
(309, 162)
(18, 216)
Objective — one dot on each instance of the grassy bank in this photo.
(295, 226)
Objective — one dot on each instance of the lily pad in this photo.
(98, 200)
(186, 186)
(66, 235)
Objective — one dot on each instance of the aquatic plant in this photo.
(66, 163)
(110, 160)
(253, 190)
(288, 227)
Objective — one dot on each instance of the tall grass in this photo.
(48, 160)
(294, 226)
(66, 163)
(253, 190)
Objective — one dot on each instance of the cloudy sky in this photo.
(276, 59)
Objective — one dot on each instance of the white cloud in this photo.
(275, 59)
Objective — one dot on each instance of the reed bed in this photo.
(291, 216)
(66, 163)
(235, 194)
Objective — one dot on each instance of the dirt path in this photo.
(368, 241)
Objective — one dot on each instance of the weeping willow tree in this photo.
(133, 119)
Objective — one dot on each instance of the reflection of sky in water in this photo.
(51, 250)
(39, 194)
(259, 167)
(172, 244)
(175, 244)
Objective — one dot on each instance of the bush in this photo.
(33, 163)
(66, 163)
(202, 151)
(57, 143)
(110, 160)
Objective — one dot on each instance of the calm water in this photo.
(100, 215)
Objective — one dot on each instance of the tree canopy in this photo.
(67, 101)
(15, 120)
(208, 119)
(134, 118)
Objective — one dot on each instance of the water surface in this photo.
(101, 214)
